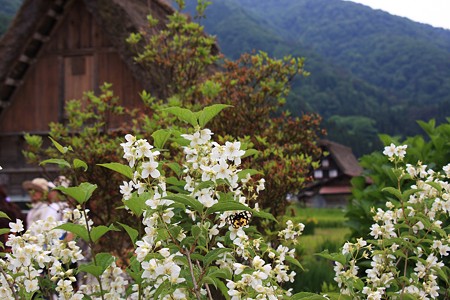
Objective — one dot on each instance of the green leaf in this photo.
(227, 206)
(393, 191)
(119, 168)
(223, 197)
(223, 288)
(4, 230)
(134, 270)
(58, 161)
(132, 233)
(104, 260)
(337, 296)
(214, 254)
(406, 194)
(243, 174)
(162, 290)
(405, 296)
(160, 137)
(90, 268)
(186, 200)
(98, 231)
(210, 112)
(60, 147)
(80, 193)
(264, 215)
(3, 215)
(294, 261)
(307, 296)
(358, 284)
(137, 203)
(250, 152)
(77, 163)
(204, 185)
(77, 229)
(223, 273)
(196, 230)
(176, 168)
(175, 182)
(441, 274)
(183, 114)
(208, 280)
(339, 257)
(436, 185)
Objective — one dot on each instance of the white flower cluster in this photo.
(259, 279)
(40, 249)
(173, 253)
(43, 251)
(212, 162)
(395, 152)
(210, 171)
(292, 232)
(160, 269)
(139, 154)
(402, 244)
(113, 281)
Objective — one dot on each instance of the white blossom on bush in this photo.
(409, 243)
(189, 242)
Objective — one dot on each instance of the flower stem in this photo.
(11, 287)
(191, 269)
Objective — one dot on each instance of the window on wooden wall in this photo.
(318, 174)
(333, 173)
(78, 76)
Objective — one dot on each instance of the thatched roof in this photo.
(34, 22)
(344, 158)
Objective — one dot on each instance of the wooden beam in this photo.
(53, 14)
(40, 37)
(4, 104)
(26, 59)
(12, 81)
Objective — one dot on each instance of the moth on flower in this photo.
(239, 219)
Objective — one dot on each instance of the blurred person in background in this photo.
(41, 207)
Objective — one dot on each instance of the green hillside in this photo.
(370, 71)
(407, 59)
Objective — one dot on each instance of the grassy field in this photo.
(324, 217)
(324, 238)
(325, 229)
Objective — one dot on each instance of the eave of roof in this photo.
(344, 158)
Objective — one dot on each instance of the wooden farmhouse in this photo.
(53, 51)
(331, 186)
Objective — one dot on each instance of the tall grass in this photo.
(325, 217)
(328, 232)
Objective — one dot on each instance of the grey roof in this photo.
(344, 157)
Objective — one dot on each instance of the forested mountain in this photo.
(370, 71)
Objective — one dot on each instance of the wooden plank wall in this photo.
(77, 57)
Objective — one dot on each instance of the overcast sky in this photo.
(433, 12)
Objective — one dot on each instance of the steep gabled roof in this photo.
(344, 157)
(37, 19)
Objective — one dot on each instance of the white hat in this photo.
(60, 181)
(37, 184)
